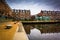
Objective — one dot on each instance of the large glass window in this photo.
(43, 18)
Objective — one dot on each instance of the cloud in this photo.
(54, 3)
(35, 5)
(35, 8)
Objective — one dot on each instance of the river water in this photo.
(36, 34)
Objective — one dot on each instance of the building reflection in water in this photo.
(43, 31)
(44, 28)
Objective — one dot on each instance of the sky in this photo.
(34, 5)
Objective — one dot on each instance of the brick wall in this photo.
(53, 14)
(22, 14)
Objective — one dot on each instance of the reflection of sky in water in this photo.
(36, 35)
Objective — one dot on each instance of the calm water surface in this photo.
(43, 31)
(36, 35)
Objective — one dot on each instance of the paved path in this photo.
(12, 33)
(20, 33)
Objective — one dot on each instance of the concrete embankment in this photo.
(20, 33)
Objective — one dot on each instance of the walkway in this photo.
(12, 33)
(20, 33)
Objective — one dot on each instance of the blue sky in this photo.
(34, 5)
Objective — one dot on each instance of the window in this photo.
(45, 12)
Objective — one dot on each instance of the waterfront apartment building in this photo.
(54, 15)
(21, 14)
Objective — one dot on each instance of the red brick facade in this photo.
(5, 10)
(21, 14)
(54, 15)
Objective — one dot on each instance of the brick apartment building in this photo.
(54, 15)
(21, 14)
(5, 10)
